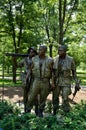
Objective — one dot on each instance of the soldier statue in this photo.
(26, 76)
(42, 71)
(64, 71)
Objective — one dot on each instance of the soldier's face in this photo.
(41, 51)
(61, 52)
(32, 53)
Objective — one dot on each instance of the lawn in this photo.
(82, 76)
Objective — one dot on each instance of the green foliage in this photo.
(74, 53)
(6, 109)
(25, 23)
(74, 120)
(81, 75)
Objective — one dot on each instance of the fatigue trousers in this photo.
(25, 97)
(41, 87)
(26, 94)
(65, 90)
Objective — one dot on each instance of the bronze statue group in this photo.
(43, 74)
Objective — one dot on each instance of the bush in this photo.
(74, 120)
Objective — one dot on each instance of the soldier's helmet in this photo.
(32, 48)
(43, 46)
(63, 47)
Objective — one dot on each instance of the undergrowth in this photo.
(12, 119)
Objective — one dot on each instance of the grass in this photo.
(8, 82)
(81, 74)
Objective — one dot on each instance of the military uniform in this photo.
(42, 72)
(27, 77)
(63, 76)
(26, 62)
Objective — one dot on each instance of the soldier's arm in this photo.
(51, 64)
(21, 63)
(53, 78)
(53, 75)
(73, 68)
(32, 66)
(29, 73)
(77, 81)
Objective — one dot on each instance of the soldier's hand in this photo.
(53, 86)
(77, 87)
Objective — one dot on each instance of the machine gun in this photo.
(16, 54)
(77, 88)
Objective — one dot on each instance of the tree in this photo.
(56, 18)
(26, 23)
(14, 24)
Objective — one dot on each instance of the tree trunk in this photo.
(60, 23)
(14, 69)
(50, 48)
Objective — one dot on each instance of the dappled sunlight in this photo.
(14, 94)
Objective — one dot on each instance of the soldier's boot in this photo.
(55, 108)
(54, 112)
(26, 109)
(40, 113)
(25, 102)
(66, 109)
(66, 106)
(36, 110)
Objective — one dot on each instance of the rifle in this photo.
(16, 54)
(77, 88)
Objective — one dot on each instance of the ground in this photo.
(15, 94)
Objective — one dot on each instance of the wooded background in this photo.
(26, 23)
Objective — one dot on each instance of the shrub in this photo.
(74, 120)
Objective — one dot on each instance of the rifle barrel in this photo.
(16, 55)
